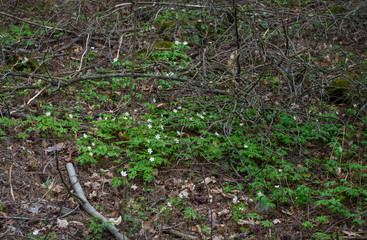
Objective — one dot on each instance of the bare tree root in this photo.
(89, 208)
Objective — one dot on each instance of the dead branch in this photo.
(89, 208)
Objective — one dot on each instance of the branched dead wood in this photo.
(88, 207)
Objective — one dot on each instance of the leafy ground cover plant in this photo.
(227, 130)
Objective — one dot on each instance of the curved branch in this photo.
(89, 208)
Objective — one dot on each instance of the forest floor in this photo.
(303, 175)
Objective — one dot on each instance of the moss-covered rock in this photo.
(24, 64)
(338, 10)
(158, 46)
(340, 90)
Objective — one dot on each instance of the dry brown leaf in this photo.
(115, 221)
(56, 147)
(57, 188)
(208, 180)
(62, 223)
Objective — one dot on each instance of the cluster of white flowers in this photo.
(183, 43)
(200, 115)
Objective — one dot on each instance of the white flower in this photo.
(280, 170)
(217, 134)
(260, 194)
(162, 127)
(157, 136)
(111, 111)
(177, 42)
(105, 118)
(203, 113)
(91, 154)
(295, 118)
(169, 204)
(174, 110)
(154, 100)
(184, 43)
(149, 125)
(93, 144)
(276, 186)
(89, 148)
(70, 115)
(235, 199)
(241, 124)
(115, 59)
(92, 48)
(245, 146)
(241, 209)
(354, 105)
(48, 114)
(202, 117)
(127, 114)
(176, 140)
(169, 74)
(179, 133)
(151, 159)
(340, 149)
(190, 119)
(179, 107)
(35, 232)
(149, 120)
(85, 135)
(148, 141)
(181, 195)
(150, 150)
(337, 113)
(123, 173)
(125, 118)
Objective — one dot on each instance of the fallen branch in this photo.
(180, 234)
(89, 208)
